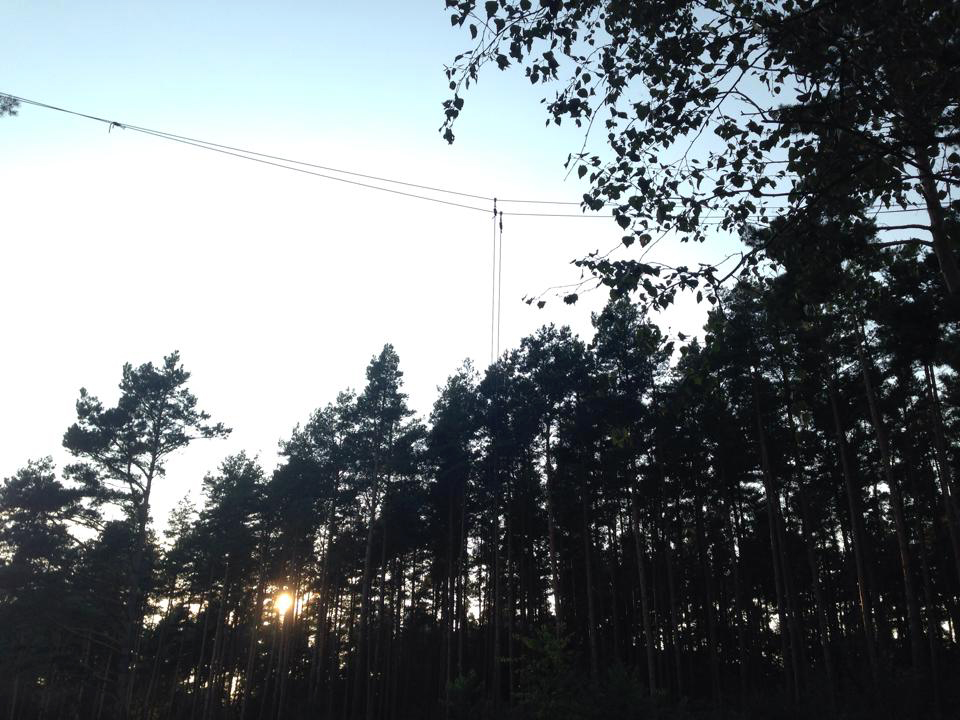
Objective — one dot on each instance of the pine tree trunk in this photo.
(217, 648)
(361, 671)
(198, 668)
(613, 564)
(733, 524)
(648, 637)
(320, 639)
(288, 629)
(14, 696)
(947, 488)
(495, 611)
(773, 515)
(858, 536)
(448, 602)
(268, 684)
(675, 605)
(464, 571)
(709, 596)
(375, 689)
(933, 630)
(510, 594)
(257, 613)
(896, 505)
(133, 608)
(810, 546)
(809, 538)
(103, 689)
(154, 671)
(552, 536)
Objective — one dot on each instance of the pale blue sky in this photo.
(288, 69)
(276, 287)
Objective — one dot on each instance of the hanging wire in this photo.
(493, 284)
(302, 166)
(499, 284)
(286, 162)
(291, 164)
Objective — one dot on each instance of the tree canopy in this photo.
(722, 115)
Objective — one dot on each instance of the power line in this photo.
(499, 284)
(315, 174)
(291, 164)
(254, 155)
(493, 283)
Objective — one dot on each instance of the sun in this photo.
(282, 603)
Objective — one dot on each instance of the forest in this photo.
(761, 524)
(758, 521)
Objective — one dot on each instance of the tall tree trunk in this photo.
(14, 696)
(464, 571)
(613, 564)
(198, 668)
(103, 688)
(858, 535)
(809, 536)
(361, 670)
(675, 601)
(375, 689)
(288, 630)
(733, 523)
(268, 684)
(320, 639)
(448, 602)
(709, 594)
(133, 606)
(552, 535)
(896, 505)
(510, 594)
(933, 630)
(591, 603)
(947, 488)
(87, 651)
(215, 657)
(257, 615)
(648, 637)
(810, 546)
(773, 514)
(495, 610)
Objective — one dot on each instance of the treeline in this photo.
(759, 523)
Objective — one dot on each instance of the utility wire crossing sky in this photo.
(289, 163)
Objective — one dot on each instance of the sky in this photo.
(276, 287)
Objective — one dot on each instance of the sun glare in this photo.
(283, 603)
